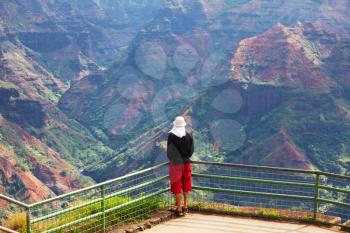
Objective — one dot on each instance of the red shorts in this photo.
(180, 178)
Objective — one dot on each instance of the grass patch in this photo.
(128, 213)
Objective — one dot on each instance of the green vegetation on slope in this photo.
(316, 123)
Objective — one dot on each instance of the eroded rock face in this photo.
(37, 176)
(283, 56)
(44, 46)
(57, 180)
(311, 55)
(90, 34)
(116, 72)
(268, 48)
(279, 151)
(19, 183)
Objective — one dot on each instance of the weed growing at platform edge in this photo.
(17, 222)
(213, 208)
(269, 213)
(226, 209)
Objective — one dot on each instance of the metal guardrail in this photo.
(4, 229)
(99, 208)
(17, 204)
(326, 193)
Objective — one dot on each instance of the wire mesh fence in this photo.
(335, 196)
(101, 207)
(13, 215)
(275, 192)
(227, 188)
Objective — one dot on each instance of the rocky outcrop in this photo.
(278, 150)
(281, 56)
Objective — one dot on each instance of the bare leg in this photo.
(186, 197)
(178, 200)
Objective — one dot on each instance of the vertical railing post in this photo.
(103, 207)
(317, 186)
(28, 219)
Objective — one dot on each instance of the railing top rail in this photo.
(4, 229)
(270, 168)
(98, 185)
(11, 200)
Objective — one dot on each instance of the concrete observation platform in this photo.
(193, 223)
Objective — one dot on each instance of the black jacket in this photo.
(180, 150)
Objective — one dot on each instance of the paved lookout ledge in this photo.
(224, 224)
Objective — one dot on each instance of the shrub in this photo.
(16, 221)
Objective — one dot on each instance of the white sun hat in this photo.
(179, 122)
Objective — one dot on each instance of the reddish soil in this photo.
(278, 150)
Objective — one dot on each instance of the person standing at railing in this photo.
(180, 148)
